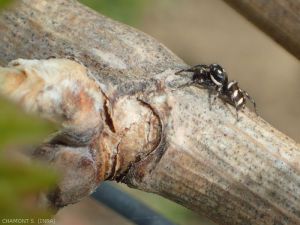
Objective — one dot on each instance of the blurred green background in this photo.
(199, 31)
(127, 11)
(20, 179)
(4, 3)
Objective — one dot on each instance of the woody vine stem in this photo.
(123, 118)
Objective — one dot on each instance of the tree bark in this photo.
(124, 117)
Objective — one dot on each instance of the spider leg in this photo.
(211, 89)
(216, 96)
(191, 69)
(251, 100)
(180, 71)
(238, 105)
(218, 91)
(237, 114)
(190, 83)
(236, 111)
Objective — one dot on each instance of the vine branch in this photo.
(124, 118)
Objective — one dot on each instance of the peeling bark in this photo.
(125, 118)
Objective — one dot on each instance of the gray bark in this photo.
(146, 131)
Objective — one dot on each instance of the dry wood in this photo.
(279, 19)
(145, 131)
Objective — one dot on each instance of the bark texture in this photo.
(123, 117)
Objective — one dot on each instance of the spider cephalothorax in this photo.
(214, 78)
(218, 75)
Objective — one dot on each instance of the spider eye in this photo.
(218, 74)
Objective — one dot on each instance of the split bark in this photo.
(124, 118)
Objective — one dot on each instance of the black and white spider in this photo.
(214, 78)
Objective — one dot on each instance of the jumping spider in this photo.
(214, 78)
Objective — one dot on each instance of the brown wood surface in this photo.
(124, 118)
(280, 19)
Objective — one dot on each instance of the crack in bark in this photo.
(140, 157)
(108, 120)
